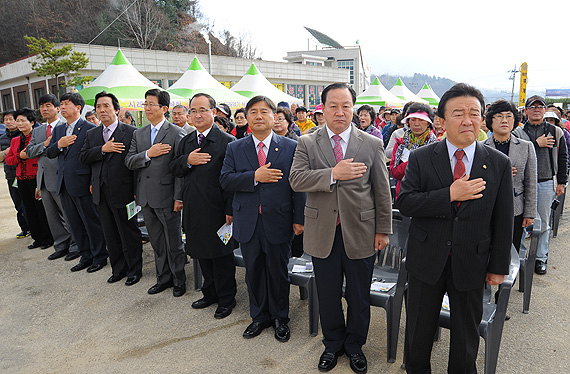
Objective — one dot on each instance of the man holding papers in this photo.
(199, 160)
(112, 184)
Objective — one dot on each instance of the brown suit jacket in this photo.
(364, 203)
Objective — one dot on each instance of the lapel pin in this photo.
(276, 149)
(484, 166)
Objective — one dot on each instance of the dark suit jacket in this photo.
(77, 175)
(478, 233)
(280, 206)
(112, 164)
(206, 202)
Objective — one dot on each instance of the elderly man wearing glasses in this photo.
(552, 160)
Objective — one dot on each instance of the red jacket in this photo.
(25, 169)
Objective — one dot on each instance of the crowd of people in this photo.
(289, 180)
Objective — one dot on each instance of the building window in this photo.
(38, 93)
(22, 99)
(347, 64)
(7, 101)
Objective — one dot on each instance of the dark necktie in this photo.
(200, 138)
(262, 158)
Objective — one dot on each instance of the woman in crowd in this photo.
(223, 123)
(242, 128)
(283, 122)
(438, 129)
(501, 118)
(319, 118)
(552, 116)
(26, 171)
(419, 119)
(367, 116)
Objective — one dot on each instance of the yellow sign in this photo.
(524, 80)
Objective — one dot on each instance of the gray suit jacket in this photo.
(364, 204)
(523, 158)
(47, 167)
(156, 185)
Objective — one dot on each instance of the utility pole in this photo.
(512, 77)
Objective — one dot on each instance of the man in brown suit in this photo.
(347, 218)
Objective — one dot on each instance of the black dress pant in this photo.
(21, 211)
(423, 308)
(219, 279)
(36, 214)
(329, 275)
(518, 232)
(266, 276)
(122, 236)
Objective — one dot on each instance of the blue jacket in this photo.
(280, 205)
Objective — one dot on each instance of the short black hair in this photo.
(75, 98)
(460, 90)
(300, 109)
(370, 111)
(257, 99)
(286, 113)
(336, 86)
(415, 107)
(240, 110)
(222, 121)
(500, 106)
(210, 99)
(8, 113)
(49, 98)
(30, 114)
(113, 98)
(90, 113)
(162, 96)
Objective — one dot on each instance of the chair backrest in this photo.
(392, 255)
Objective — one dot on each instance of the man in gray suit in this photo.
(47, 180)
(348, 216)
(158, 192)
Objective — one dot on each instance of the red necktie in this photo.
(261, 157)
(459, 169)
(337, 148)
(48, 131)
(338, 157)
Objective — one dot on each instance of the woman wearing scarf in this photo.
(418, 133)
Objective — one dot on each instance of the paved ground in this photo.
(55, 321)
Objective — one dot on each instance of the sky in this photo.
(475, 42)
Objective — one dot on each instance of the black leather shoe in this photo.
(159, 287)
(282, 332)
(254, 329)
(57, 254)
(179, 290)
(132, 280)
(202, 303)
(540, 267)
(46, 246)
(34, 245)
(82, 265)
(115, 278)
(328, 360)
(358, 362)
(95, 267)
(224, 311)
(72, 256)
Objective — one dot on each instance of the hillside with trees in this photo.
(174, 25)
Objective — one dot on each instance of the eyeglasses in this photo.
(193, 112)
(151, 104)
(500, 117)
(536, 107)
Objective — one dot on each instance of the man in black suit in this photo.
(199, 160)
(459, 195)
(73, 182)
(113, 188)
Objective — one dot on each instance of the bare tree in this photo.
(143, 23)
